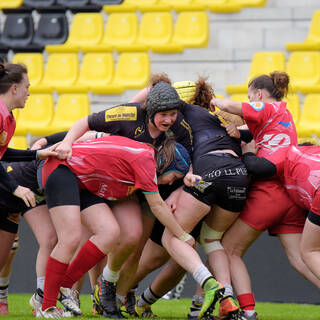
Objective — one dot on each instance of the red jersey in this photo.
(111, 167)
(7, 127)
(299, 171)
(271, 125)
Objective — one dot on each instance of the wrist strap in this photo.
(185, 237)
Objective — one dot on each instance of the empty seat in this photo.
(52, 29)
(314, 141)
(223, 6)
(86, 31)
(69, 109)
(141, 5)
(303, 69)
(106, 2)
(312, 42)
(18, 31)
(10, 4)
(96, 73)
(293, 104)
(192, 30)
(308, 125)
(35, 65)
(80, 5)
(240, 97)
(44, 5)
(60, 74)
(18, 142)
(252, 3)
(121, 32)
(36, 116)
(262, 63)
(183, 5)
(132, 72)
(156, 32)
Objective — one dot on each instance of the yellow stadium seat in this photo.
(18, 142)
(141, 5)
(96, 73)
(156, 32)
(312, 42)
(69, 109)
(314, 141)
(252, 3)
(308, 124)
(9, 4)
(221, 6)
(132, 72)
(183, 5)
(36, 116)
(192, 29)
(293, 104)
(60, 74)
(35, 64)
(240, 97)
(16, 114)
(262, 63)
(86, 31)
(120, 34)
(303, 69)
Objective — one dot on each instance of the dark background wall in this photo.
(273, 279)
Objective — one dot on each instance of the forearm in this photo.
(259, 167)
(228, 105)
(77, 130)
(9, 183)
(12, 155)
(141, 96)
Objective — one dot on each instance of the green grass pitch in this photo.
(174, 309)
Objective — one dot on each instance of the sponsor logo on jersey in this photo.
(3, 138)
(138, 132)
(9, 169)
(121, 113)
(258, 106)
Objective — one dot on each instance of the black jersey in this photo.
(130, 121)
(208, 135)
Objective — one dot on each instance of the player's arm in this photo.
(227, 105)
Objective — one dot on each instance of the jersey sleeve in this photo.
(256, 113)
(145, 174)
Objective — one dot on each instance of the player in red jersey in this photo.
(130, 166)
(272, 128)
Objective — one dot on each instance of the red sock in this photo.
(55, 272)
(88, 256)
(246, 301)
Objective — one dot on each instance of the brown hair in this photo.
(165, 155)
(204, 93)
(9, 74)
(276, 84)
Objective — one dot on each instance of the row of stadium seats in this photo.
(41, 117)
(223, 6)
(303, 68)
(312, 42)
(307, 118)
(122, 32)
(96, 74)
(19, 33)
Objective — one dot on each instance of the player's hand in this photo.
(249, 147)
(48, 152)
(191, 179)
(26, 195)
(39, 144)
(231, 129)
(64, 150)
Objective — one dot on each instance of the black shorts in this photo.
(9, 222)
(158, 228)
(225, 181)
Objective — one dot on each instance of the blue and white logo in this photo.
(258, 106)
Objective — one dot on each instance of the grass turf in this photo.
(175, 309)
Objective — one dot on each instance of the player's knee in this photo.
(210, 239)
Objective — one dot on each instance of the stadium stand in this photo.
(7, 4)
(43, 5)
(133, 5)
(312, 42)
(252, 3)
(18, 142)
(86, 31)
(79, 5)
(36, 116)
(35, 64)
(303, 69)
(184, 5)
(293, 105)
(262, 62)
(308, 125)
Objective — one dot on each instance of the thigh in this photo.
(9, 222)
(310, 237)
(238, 238)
